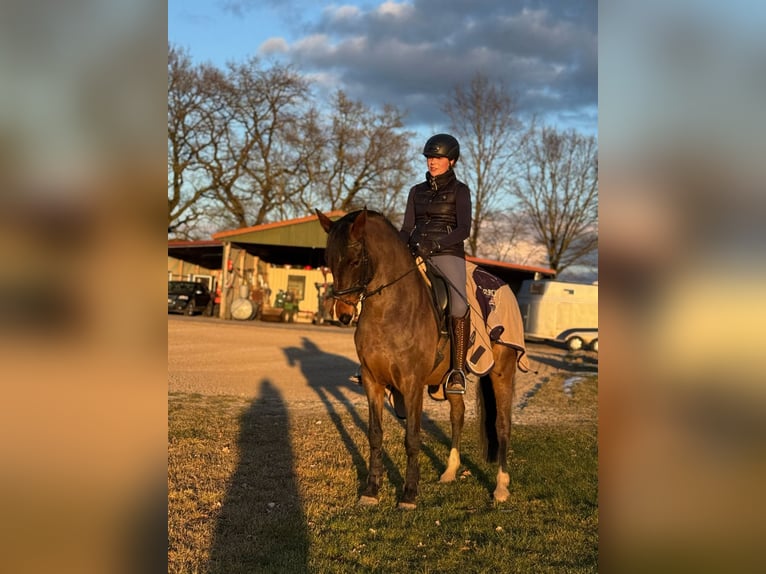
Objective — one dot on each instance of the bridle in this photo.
(367, 273)
(361, 286)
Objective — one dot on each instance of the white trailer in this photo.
(560, 311)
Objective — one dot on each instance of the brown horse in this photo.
(399, 345)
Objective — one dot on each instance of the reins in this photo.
(377, 290)
(361, 287)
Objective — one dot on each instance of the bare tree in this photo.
(505, 238)
(188, 141)
(253, 163)
(365, 160)
(309, 141)
(557, 188)
(483, 118)
(246, 144)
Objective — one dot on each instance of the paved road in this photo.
(212, 356)
(304, 363)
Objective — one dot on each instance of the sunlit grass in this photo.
(252, 488)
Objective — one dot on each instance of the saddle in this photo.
(439, 305)
(495, 318)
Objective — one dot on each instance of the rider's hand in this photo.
(426, 247)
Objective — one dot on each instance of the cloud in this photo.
(242, 7)
(236, 7)
(417, 52)
(274, 46)
(342, 14)
(411, 54)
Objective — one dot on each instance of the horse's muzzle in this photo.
(345, 310)
(345, 318)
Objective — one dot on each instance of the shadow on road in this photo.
(316, 365)
(327, 375)
(262, 527)
(571, 361)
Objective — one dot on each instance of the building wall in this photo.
(303, 283)
(254, 273)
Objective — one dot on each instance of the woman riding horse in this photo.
(399, 344)
(437, 221)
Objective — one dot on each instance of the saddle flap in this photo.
(438, 289)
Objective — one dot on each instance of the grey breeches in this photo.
(453, 269)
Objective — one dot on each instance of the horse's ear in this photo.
(357, 228)
(324, 220)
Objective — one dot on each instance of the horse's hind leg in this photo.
(503, 430)
(457, 418)
(502, 386)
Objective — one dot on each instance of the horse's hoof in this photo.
(501, 495)
(407, 506)
(367, 501)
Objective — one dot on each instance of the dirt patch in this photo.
(304, 366)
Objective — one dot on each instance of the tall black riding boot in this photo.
(461, 327)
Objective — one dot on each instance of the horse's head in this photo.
(348, 259)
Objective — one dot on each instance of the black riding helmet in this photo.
(442, 145)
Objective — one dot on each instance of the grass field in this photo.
(254, 488)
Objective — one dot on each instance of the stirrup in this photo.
(455, 388)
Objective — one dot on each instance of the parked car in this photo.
(188, 297)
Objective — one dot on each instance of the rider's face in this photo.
(437, 165)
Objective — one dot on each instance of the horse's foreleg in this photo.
(414, 404)
(375, 394)
(457, 418)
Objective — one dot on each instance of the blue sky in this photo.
(412, 53)
(688, 73)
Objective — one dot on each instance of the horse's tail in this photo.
(488, 438)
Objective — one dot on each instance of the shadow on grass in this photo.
(327, 375)
(262, 527)
(316, 365)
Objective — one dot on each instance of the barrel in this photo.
(242, 309)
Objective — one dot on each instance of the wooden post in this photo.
(224, 276)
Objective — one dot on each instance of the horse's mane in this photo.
(384, 233)
(345, 222)
(371, 214)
